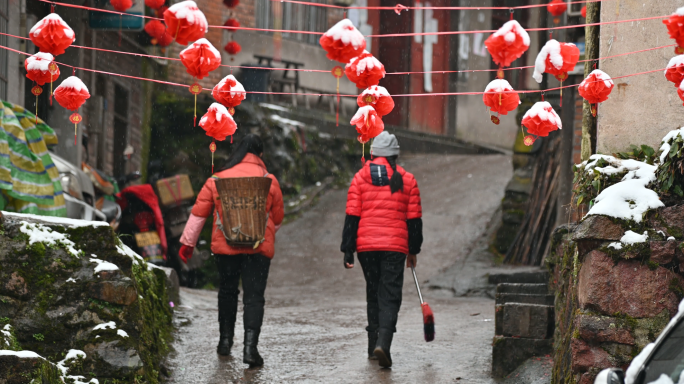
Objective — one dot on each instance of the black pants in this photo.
(384, 273)
(254, 272)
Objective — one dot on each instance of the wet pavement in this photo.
(315, 309)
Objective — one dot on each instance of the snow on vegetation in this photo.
(666, 146)
(616, 245)
(21, 354)
(630, 198)
(126, 251)
(110, 325)
(6, 335)
(39, 233)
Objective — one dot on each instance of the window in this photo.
(298, 17)
(668, 358)
(4, 21)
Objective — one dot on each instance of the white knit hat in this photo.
(385, 144)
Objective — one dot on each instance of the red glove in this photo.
(185, 253)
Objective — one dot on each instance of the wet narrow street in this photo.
(315, 309)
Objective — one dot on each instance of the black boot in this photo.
(382, 348)
(372, 342)
(226, 339)
(251, 353)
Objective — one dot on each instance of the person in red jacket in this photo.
(250, 264)
(385, 227)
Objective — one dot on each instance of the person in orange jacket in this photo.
(250, 264)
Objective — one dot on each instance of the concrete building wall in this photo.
(641, 109)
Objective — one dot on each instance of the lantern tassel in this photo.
(363, 153)
(212, 163)
(36, 109)
(51, 91)
(561, 94)
(337, 114)
(75, 133)
(194, 119)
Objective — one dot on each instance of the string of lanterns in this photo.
(185, 23)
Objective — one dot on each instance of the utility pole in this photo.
(591, 53)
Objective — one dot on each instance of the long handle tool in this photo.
(428, 315)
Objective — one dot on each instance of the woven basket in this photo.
(243, 200)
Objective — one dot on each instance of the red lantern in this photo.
(218, 123)
(165, 40)
(675, 28)
(155, 29)
(365, 70)
(160, 11)
(343, 42)
(498, 100)
(583, 11)
(186, 22)
(121, 5)
(368, 123)
(541, 119)
(231, 3)
(155, 4)
(675, 70)
(556, 8)
(596, 88)
(231, 24)
(229, 92)
(52, 34)
(556, 59)
(233, 48)
(508, 43)
(72, 93)
(37, 68)
(378, 98)
(200, 58)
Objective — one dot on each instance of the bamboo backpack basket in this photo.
(243, 200)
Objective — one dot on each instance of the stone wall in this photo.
(74, 301)
(611, 302)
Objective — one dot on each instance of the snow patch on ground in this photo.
(39, 233)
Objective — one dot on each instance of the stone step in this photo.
(540, 276)
(529, 289)
(505, 298)
(531, 321)
(509, 352)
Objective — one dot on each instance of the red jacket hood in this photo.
(146, 194)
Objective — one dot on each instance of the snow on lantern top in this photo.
(200, 58)
(343, 41)
(508, 43)
(72, 93)
(557, 59)
(675, 70)
(675, 28)
(498, 85)
(365, 70)
(229, 92)
(217, 122)
(38, 68)
(596, 87)
(186, 22)
(39, 62)
(541, 119)
(377, 97)
(52, 34)
(368, 123)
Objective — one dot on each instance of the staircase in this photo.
(524, 321)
